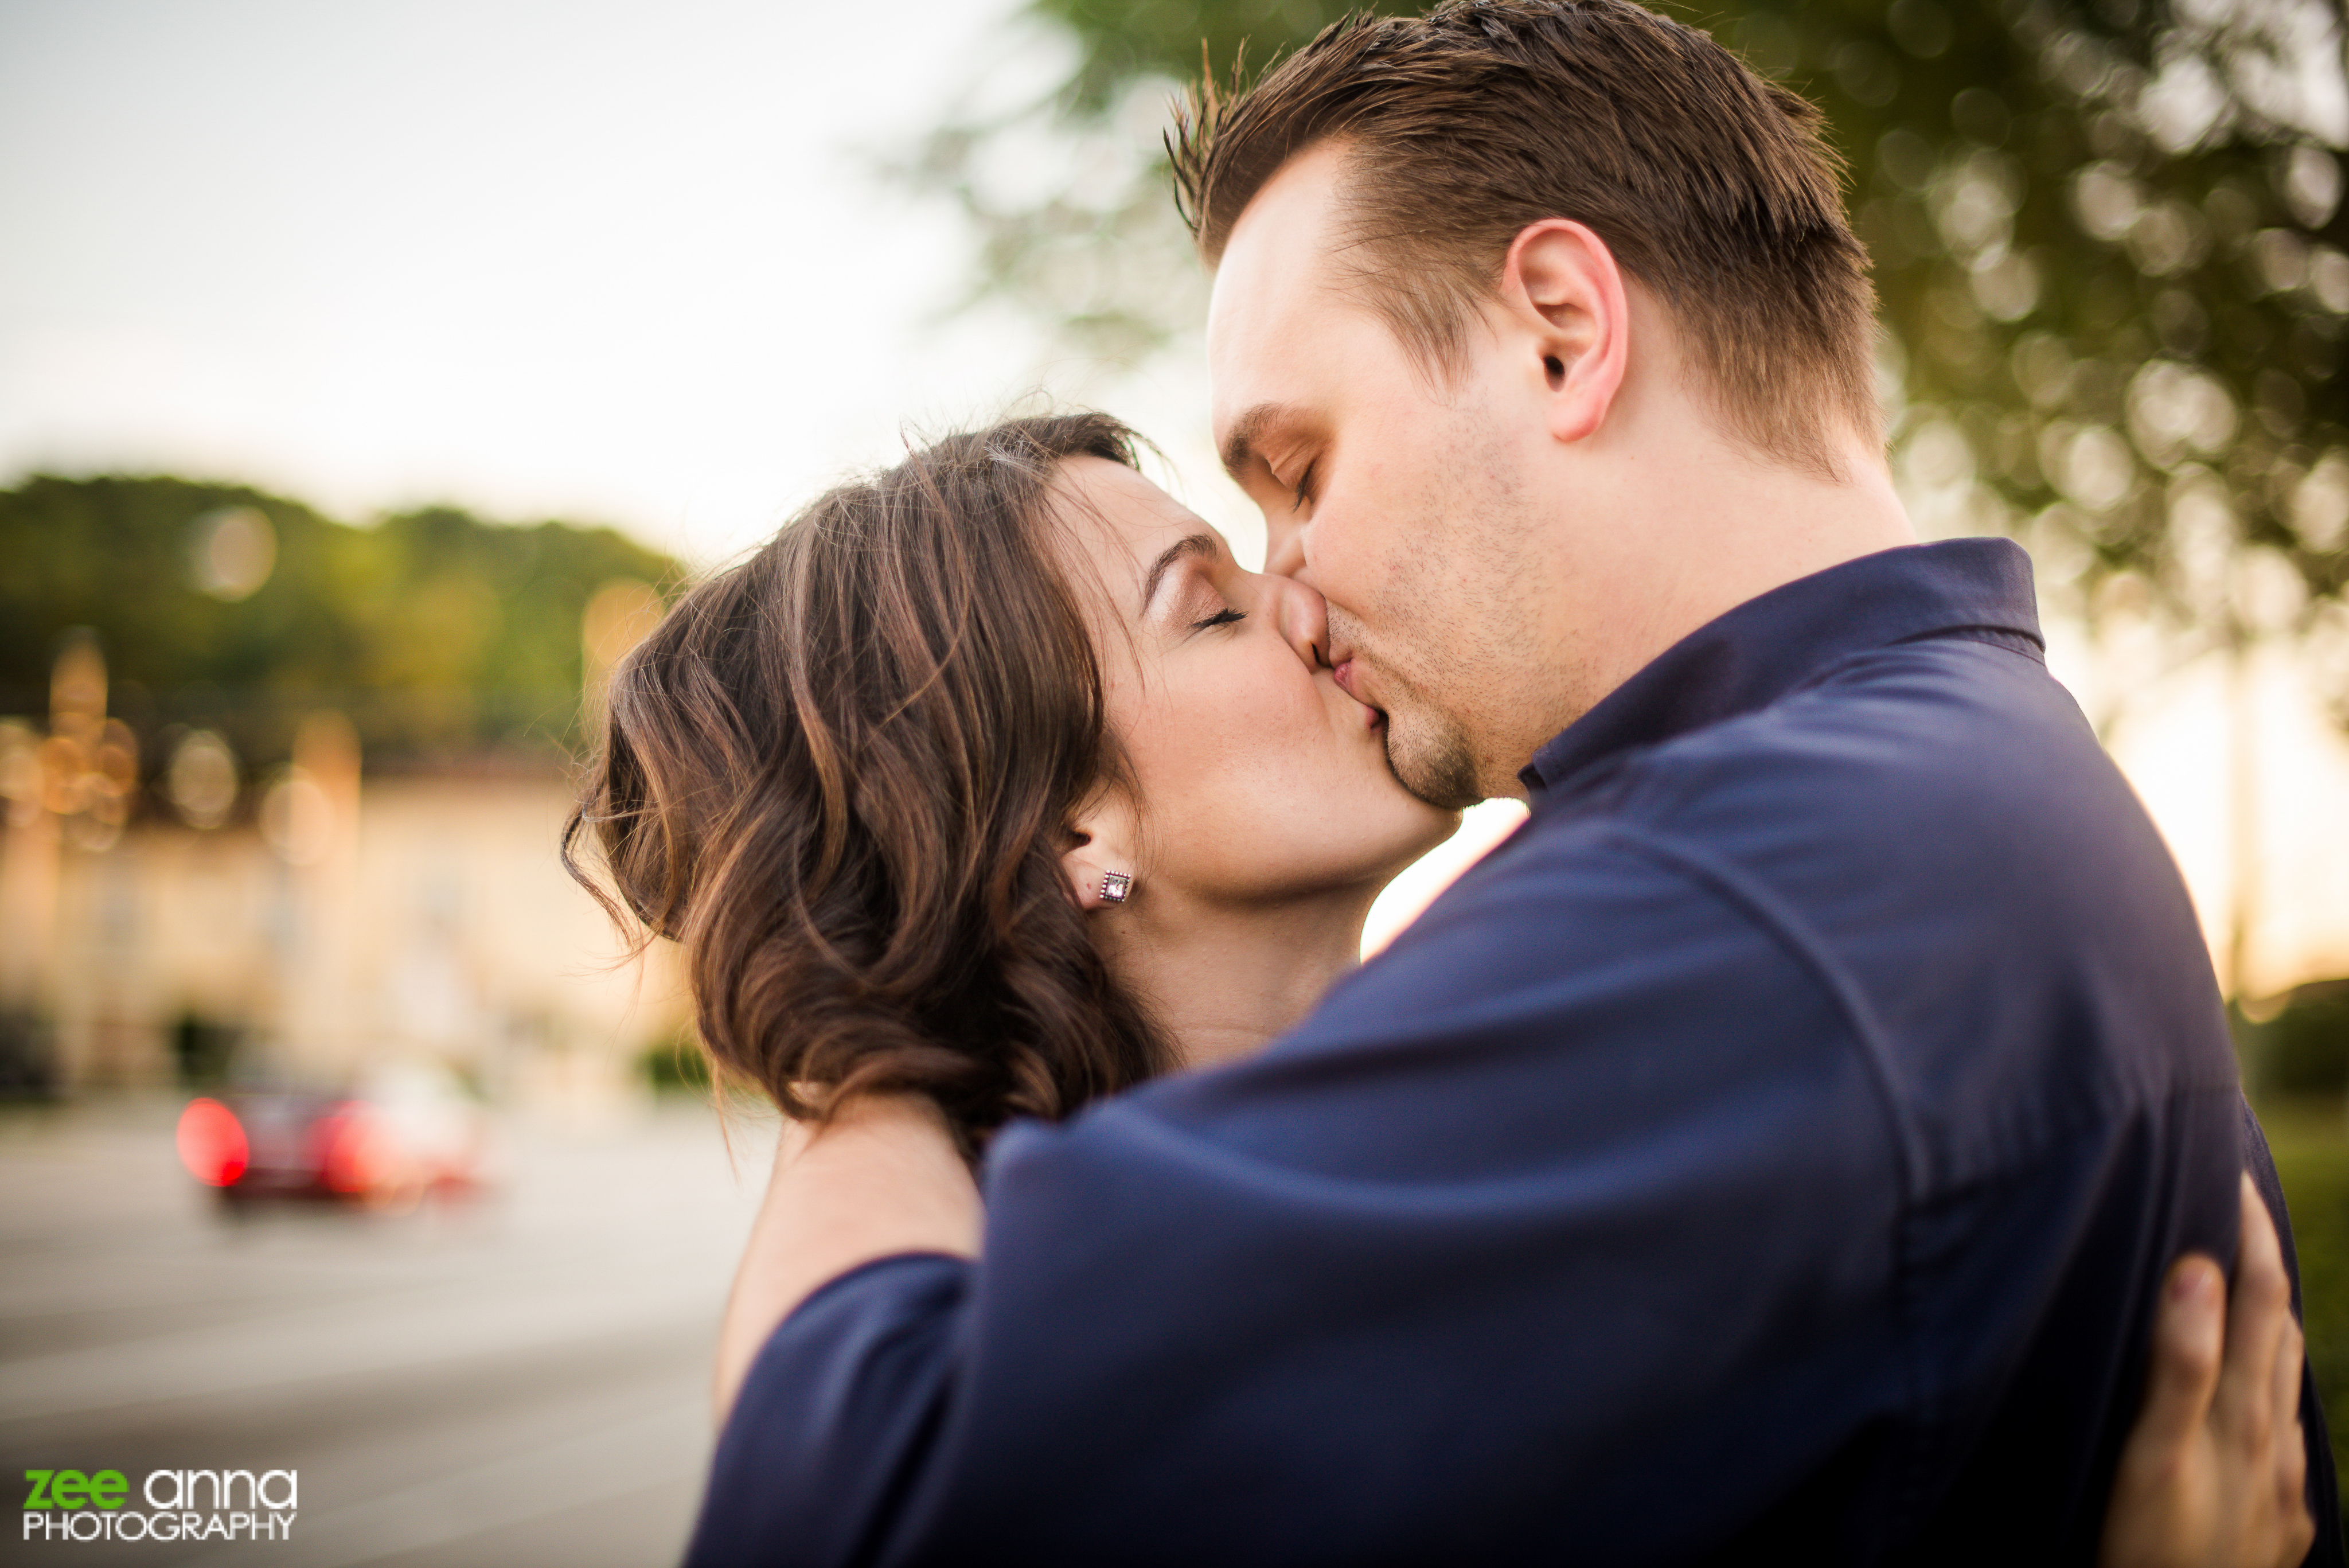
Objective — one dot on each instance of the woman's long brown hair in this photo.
(842, 775)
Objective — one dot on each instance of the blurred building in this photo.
(311, 926)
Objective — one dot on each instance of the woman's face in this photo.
(1259, 779)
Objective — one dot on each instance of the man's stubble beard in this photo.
(1427, 751)
(1431, 759)
(1442, 683)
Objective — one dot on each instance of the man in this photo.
(1752, 1158)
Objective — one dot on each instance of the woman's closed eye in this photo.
(1221, 618)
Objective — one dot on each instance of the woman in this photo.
(994, 784)
(1010, 814)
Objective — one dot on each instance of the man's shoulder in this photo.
(1935, 829)
(1955, 709)
(1949, 773)
(1948, 758)
(1941, 827)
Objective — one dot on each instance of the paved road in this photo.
(521, 1381)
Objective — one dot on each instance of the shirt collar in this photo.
(1776, 643)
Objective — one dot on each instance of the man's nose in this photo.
(1284, 548)
(1303, 617)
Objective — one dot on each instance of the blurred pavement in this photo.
(514, 1380)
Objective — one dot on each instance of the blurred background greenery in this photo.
(2108, 240)
(222, 608)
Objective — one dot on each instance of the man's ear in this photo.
(1103, 839)
(1561, 289)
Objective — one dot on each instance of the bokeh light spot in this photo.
(233, 553)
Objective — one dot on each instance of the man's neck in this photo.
(1745, 526)
(1224, 981)
(1716, 527)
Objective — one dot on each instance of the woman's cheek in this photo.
(1244, 705)
(1180, 749)
(1252, 722)
(1203, 766)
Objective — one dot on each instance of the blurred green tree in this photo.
(2108, 238)
(2305, 1048)
(223, 607)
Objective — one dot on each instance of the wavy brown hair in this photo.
(841, 775)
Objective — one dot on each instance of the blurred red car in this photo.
(409, 1132)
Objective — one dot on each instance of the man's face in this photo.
(1407, 502)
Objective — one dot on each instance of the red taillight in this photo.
(211, 1143)
(352, 1149)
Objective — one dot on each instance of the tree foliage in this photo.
(436, 633)
(2108, 238)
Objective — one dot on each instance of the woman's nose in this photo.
(1303, 617)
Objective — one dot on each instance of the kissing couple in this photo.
(1813, 1136)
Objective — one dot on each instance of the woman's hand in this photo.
(881, 1178)
(2212, 1475)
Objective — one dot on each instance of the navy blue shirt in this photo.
(1777, 1142)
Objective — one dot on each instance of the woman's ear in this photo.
(1100, 862)
(1561, 284)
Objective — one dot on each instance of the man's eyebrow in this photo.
(1247, 431)
(1196, 544)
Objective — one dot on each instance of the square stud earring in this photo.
(1115, 886)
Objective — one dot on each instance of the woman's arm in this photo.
(881, 1178)
(2213, 1472)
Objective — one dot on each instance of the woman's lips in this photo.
(1343, 675)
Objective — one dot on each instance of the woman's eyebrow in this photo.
(1202, 545)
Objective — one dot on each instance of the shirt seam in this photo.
(2024, 644)
(1994, 634)
(1980, 636)
(1762, 909)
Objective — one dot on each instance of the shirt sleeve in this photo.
(835, 1418)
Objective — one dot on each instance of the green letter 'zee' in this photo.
(72, 1488)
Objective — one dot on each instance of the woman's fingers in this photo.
(2190, 1334)
(2212, 1474)
(2167, 1506)
(2259, 1314)
(2292, 1451)
(2256, 1414)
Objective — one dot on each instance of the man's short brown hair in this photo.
(1710, 185)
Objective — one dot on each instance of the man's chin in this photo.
(1435, 768)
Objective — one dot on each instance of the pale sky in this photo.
(618, 262)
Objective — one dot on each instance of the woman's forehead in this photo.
(1132, 521)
